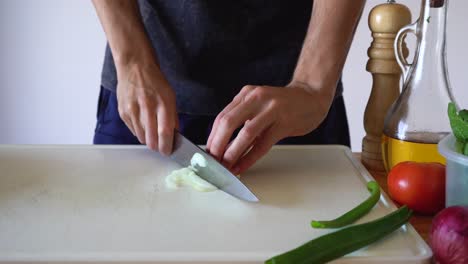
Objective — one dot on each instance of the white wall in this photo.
(51, 55)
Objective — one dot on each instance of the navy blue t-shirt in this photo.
(209, 49)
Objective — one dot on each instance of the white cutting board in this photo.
(109, 203)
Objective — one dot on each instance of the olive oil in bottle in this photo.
(395, 151)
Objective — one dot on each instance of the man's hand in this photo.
(147, 106)
(146, 101)
(267, 114)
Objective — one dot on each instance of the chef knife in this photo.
(214, 172)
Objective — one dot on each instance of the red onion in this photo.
(449, 235)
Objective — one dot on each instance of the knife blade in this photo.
(215, 173)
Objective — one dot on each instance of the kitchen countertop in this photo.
(422, 223)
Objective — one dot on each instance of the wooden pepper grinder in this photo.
(385, 20)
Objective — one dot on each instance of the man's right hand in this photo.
(145, 98)
(147, 105)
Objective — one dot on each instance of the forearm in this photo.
(125, 32)
(326, 45)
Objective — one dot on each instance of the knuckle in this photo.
(228, 158)
(220, 116)
(164, 132)
(130, 109)
(125, 116)
(149, 92)
(237, 98)
(226, 121)
(228, 155)
(259, 94)
(248, 88)
(274, 103)
(262, 91)
(249, 132)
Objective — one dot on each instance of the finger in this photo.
(166, 125)
(241, 144)
(261, 147)
(219, 117)
(235, 102)
(139, 132)
(149, 119)
(138, 128)
(226, 127)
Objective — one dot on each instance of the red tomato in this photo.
(421, 186)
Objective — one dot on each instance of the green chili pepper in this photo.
(337, 244)
(355, 213)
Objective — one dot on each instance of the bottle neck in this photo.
(430, 64)
(432, 23)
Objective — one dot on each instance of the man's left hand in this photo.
(266, 114)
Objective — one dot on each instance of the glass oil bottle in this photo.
(418, 119)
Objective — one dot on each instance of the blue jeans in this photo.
(110, 129)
